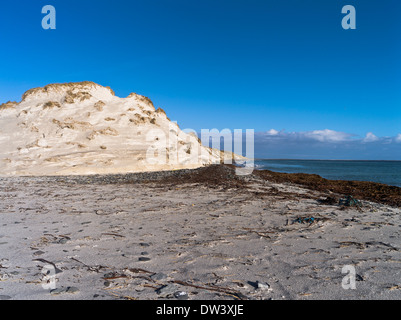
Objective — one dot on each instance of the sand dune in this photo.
(83, 128)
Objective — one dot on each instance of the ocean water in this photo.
(387, 172)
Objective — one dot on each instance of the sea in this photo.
(387, 172)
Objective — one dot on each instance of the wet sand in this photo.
(193, 234)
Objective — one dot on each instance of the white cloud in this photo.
(272, 132)
(327, 135)
(370, 137)
(315, 135)
(324, 136)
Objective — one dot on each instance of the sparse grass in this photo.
(99, 105)
(53, 159)
(34, 144)
(8, 105)
(72, 124)
(144, 99)
(139, 119)
(80, 145)
(61, 86)
(51, 105)
(64, 125)
(80, 96)
(107, 132)
(160, 110)
(134, 121)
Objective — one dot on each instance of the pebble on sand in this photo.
(263, 286)
(144, 259)
(167, 289)
(181, 295)
(64, 290)
(158, 276)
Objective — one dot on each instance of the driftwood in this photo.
(228, 291)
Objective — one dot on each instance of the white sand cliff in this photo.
(83, 128)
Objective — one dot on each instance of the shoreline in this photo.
(345, 160)
(363, 190)
(379, 171)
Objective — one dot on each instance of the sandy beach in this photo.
(191, 234)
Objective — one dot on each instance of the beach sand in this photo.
(191, 234)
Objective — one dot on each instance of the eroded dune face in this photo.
(83, 128)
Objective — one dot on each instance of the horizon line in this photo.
(326, 159)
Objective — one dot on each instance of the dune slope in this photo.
(83, 128)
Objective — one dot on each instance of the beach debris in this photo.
(143, 259)
(158, 276)
(258, 285)
(238, 283)
(350, 201)
(113, 234)
(38, 253)
(231, 292)
(5, 297)
(393, 287)
(309, 220)
(57, 270)
(328, 201)
(138, 270)
(48, 238)
(61, 290)
(62, 241)
(96, 268)
(129, 274)
(144, 244)
(113, 275)
(259, 233)
(361, 245)
(181, 295)
(359, 278)
(167, 289)
(72, 290)
(4, 276)
(263, 286)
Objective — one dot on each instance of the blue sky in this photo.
(285, 65)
